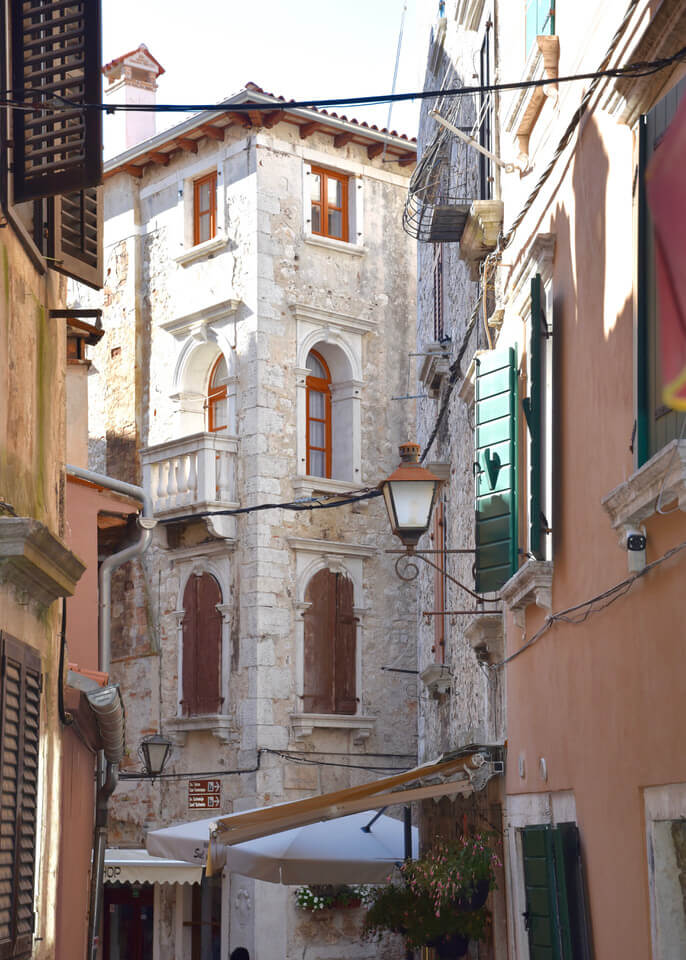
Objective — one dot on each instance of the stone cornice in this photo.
(193, 324)
(330, 318)
(331, 546)
(36, 562)
(532, 583)
(304, 724)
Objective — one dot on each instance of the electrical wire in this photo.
(642, 68)
(580, 612)
(309, 503)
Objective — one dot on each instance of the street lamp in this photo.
(410, 493)
(154, 752)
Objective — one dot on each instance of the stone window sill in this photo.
(435, 367)
(303, 725)
(482, 229)
(329, 243)
(36, 562)
(436, 678)
(634, 501)
(485, 634)
(306, 486)
(531, 584)
(219, 725)
(201, 250)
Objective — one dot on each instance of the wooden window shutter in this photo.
(319, 645)
(19, 751)
(345, 661)
(76, 242)
(202, 643)
(56, 58)
(496, 469)
(532, 412)
(556, 910)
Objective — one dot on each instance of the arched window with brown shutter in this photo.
(202, 646)
(330, 684)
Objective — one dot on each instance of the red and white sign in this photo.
(204, 794)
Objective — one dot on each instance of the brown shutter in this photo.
(345, 659)
(202, 639)
(19, 748)
(56, 57)
(320, 629)
(75, 235)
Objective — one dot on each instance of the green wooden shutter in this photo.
(496, 469)
(556, 913)
(532, 411)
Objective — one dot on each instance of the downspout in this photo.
(108, 772)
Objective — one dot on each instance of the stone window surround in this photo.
(355, 213)
(526, 810)
(315, 328)
(311, 556)
(190, 251)
(527, 106)
(191, 561)
(664, 802)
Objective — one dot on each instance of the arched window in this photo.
(218, 412)
(330, 670)
(202, 643)
(318, 416)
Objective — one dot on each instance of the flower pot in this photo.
(478, 897)
(450, 947)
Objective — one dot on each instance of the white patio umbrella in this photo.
(332, 851)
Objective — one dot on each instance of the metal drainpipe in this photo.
(108, 773)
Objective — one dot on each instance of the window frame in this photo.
(438, 298)
(214, 396)
(190, 633)
(334, 615)
(319, 385)
(549, 22)
(324, 175)
(198, 183)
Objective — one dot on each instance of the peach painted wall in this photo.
(84, 502)
(602, 702)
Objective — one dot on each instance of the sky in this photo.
(301, 49)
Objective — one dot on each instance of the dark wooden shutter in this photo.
(496, 469)
(202, 642)
(330, 661)
(556, 912)
(345, 683)
(76, 242)
(19, 750)
(320, 631)
(532, 411)
(56, 57)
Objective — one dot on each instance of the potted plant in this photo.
(439, 900)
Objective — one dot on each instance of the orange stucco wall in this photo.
(602, 701)
(84, 502)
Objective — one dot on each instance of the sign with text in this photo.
(204, 794)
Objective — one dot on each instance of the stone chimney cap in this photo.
(140, 57)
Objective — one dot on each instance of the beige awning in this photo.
(137, 866)
(439, 778)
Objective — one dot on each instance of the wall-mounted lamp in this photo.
(154, 752)
(410, 493)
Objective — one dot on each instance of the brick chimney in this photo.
(131, 78)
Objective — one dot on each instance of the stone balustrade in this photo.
(192, 474)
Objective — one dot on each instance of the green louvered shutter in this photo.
(532, 411)
(496, 469)
(556, 914)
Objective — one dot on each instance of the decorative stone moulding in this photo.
(220, 726)
(486, 636)
(634, 501)
(531, 584)
(436, 678)
(435, 366)
(36, 562)
(307, 485)
(484, 225)
(529, 107)
(205, 249)
(303, 725)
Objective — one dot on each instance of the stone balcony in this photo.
(191, 475)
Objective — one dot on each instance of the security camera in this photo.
(636, 549)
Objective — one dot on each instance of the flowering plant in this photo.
(328, 896)
(438, 897)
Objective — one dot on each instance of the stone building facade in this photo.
(259, 291)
